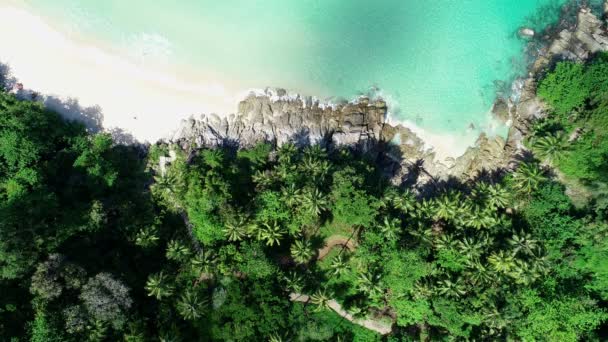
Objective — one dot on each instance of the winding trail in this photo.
(379, 326)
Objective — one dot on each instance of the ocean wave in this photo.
(149, 47)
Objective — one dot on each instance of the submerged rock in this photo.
(500, 110)
(525, 32)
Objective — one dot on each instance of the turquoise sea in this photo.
(438, 62)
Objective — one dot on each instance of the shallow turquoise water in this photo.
(436, 60)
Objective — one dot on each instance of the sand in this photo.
(147, 102)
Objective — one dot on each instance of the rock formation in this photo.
(278, 117)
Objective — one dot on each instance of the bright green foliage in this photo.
(560, 319)
(351, 205)
(97, 244)
(42, 331)
(577, 94)
(566, 89)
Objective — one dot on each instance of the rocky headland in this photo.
(276, 116)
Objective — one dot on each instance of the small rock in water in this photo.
(501, 110)
(526, 32)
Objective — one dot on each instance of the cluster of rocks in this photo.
(276, 116)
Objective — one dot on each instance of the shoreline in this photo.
(148, 103)
(101, 80)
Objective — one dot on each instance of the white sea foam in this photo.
(149, 47)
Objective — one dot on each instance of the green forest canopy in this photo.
(98, 242)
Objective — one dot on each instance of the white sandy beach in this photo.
(147, 102)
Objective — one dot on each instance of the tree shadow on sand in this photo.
(7, 81)
(70, 109)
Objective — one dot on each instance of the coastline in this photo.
(145, 102)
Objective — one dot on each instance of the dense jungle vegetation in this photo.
(106, 242)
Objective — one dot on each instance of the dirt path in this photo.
(381, 327)
(333, 241)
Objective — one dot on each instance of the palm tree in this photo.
(167, 186)
(540, 262)
(425, 236)
(263, 179)
(369, 284)
(177, 251)
(528, 177)
(523, 274)
(98, 331)
(502, 262)
(271, 233)
(291, 195)
(424, 210)
(449, 288)
(315, 169)
(286, 172)
(202, 262)
(320, 299)
(445, 241)
(498, 197)
(190, 306)
(479, 218)
(275, 338)
(236, 230)
(287, 153)
(315, 152)
(422, 290)
(494, 322)
(448, 206)
(147, 237)
(524, 243)
(358, 309)
(338, 266)
(158, 286)
(314, 202)
(479, 274)
(301, 251)
(481, 192)
(294, 282)
(470, 248)
(406, 203)
(550, 148)
(391, 229)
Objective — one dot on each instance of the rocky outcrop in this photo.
(278, 117)
(589, 37)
